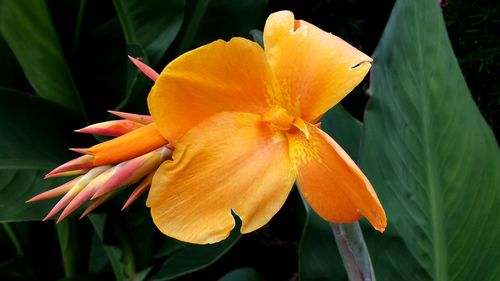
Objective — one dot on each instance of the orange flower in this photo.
(241, 121)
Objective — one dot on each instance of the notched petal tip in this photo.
(379, 221)
(363, 64)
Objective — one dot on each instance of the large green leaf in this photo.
(430, 155)
(153, 25)
(27, 28)
(33, 135)
(11, 74)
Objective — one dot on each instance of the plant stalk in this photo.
(353, 250)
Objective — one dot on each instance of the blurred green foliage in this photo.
(64, 63)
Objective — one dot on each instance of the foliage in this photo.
(431, 153)
(425, 146)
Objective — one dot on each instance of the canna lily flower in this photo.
(243, 125)
(242, 119)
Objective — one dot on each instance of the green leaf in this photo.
(319, 257)
(242, 274)
(221, 19)
(16, 268)
(257, 37)
(27, 28)
(430, 155)
(11, 74)
(67, 235)
(151, 24)
(113, 253)
(189, 258)
(33, 136)
(344, 128)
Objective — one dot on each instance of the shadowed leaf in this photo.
(27, 28)
(431, 156)
(33, 137)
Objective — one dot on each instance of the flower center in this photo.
(279, 117)
(283, 121)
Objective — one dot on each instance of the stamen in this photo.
(279, 117)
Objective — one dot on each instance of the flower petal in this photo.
(316, 68)
(230, 162)
(222, 76)
(331, 182)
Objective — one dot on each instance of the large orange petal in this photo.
(316, 68)
(331, 182)
(231, 161)
(222, 76)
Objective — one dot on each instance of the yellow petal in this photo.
(222, 76)
(231, 161)
(316, 68)
(331, 182)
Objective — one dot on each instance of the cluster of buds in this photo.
(98, 182)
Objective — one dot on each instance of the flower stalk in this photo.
(353, 250)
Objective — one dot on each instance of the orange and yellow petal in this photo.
(315, 68)
(231, 162)
(221, 76)
(331, 182)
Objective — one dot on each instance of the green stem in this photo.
(199, 11)
(13, 237)
(68, 242)
(353, 250)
